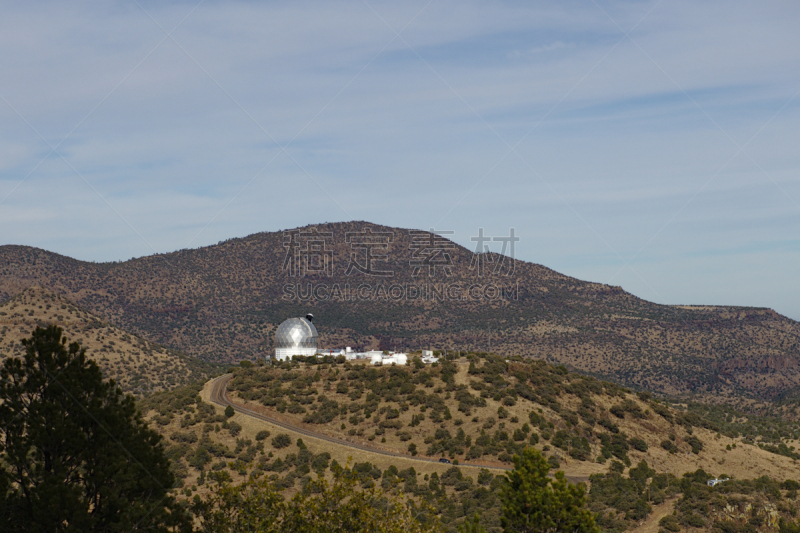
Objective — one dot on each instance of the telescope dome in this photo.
(295, 336)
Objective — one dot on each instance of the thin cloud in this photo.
(615, 159)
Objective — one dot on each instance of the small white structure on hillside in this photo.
(376, 357)
(379, 358)
(347, 352)
(714, 482)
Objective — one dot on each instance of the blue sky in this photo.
(652, 145)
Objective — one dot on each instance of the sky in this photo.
(647, 144)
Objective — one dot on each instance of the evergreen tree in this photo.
(75, 454)
(472, 526)
(532, 501)
(320, 507)
(788, 526)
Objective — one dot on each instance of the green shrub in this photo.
(179, 436)
(609, 425)
(694, 442)
(670, 523)
(790, 484)
(693, 520)
(296, 408)
(281, 441)
(662, 410)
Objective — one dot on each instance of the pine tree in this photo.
(532, 501)
(320, 507)
(75, 454)
(472, 526)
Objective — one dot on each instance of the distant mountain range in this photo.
(374, 286)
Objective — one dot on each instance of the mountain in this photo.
(138, 365)
(222, 303)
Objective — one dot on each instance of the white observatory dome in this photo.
(295, 336)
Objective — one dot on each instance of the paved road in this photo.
(219, 395)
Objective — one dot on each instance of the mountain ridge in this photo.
(222, 303)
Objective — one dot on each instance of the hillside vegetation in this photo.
(139, 366)
(223, 303)
(642, 458)
(485, 408)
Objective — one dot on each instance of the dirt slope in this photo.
(138, 365)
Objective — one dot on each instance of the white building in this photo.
(336, 352)
(379, 358)
(295, 336)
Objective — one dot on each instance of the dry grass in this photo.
(742, 461)
(344, 455)
(137, 365)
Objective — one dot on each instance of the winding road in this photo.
(219, 395)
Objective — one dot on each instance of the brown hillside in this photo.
(642, 458)
(511, 405)
(222, 303)
(138, 365)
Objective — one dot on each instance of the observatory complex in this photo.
(298, 336)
